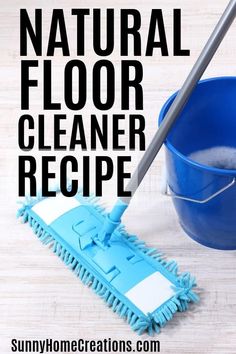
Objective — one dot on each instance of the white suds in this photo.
(220, 157)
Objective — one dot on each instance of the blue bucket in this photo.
(204, 197)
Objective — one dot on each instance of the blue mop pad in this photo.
(133, 279)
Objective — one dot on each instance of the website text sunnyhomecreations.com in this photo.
(105, 345)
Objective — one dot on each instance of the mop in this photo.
(134, 280)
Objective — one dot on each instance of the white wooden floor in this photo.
(39, 297)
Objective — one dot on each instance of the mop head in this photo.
(133, 279)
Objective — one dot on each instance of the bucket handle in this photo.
(170, 193)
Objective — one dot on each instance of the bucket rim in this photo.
(215, 170)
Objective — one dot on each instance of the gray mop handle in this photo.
(181, 98)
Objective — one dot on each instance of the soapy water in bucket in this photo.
(222, 157)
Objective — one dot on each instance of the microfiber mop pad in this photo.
(133, 279)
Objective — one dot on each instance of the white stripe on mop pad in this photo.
(49, 209)
(151, 293)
